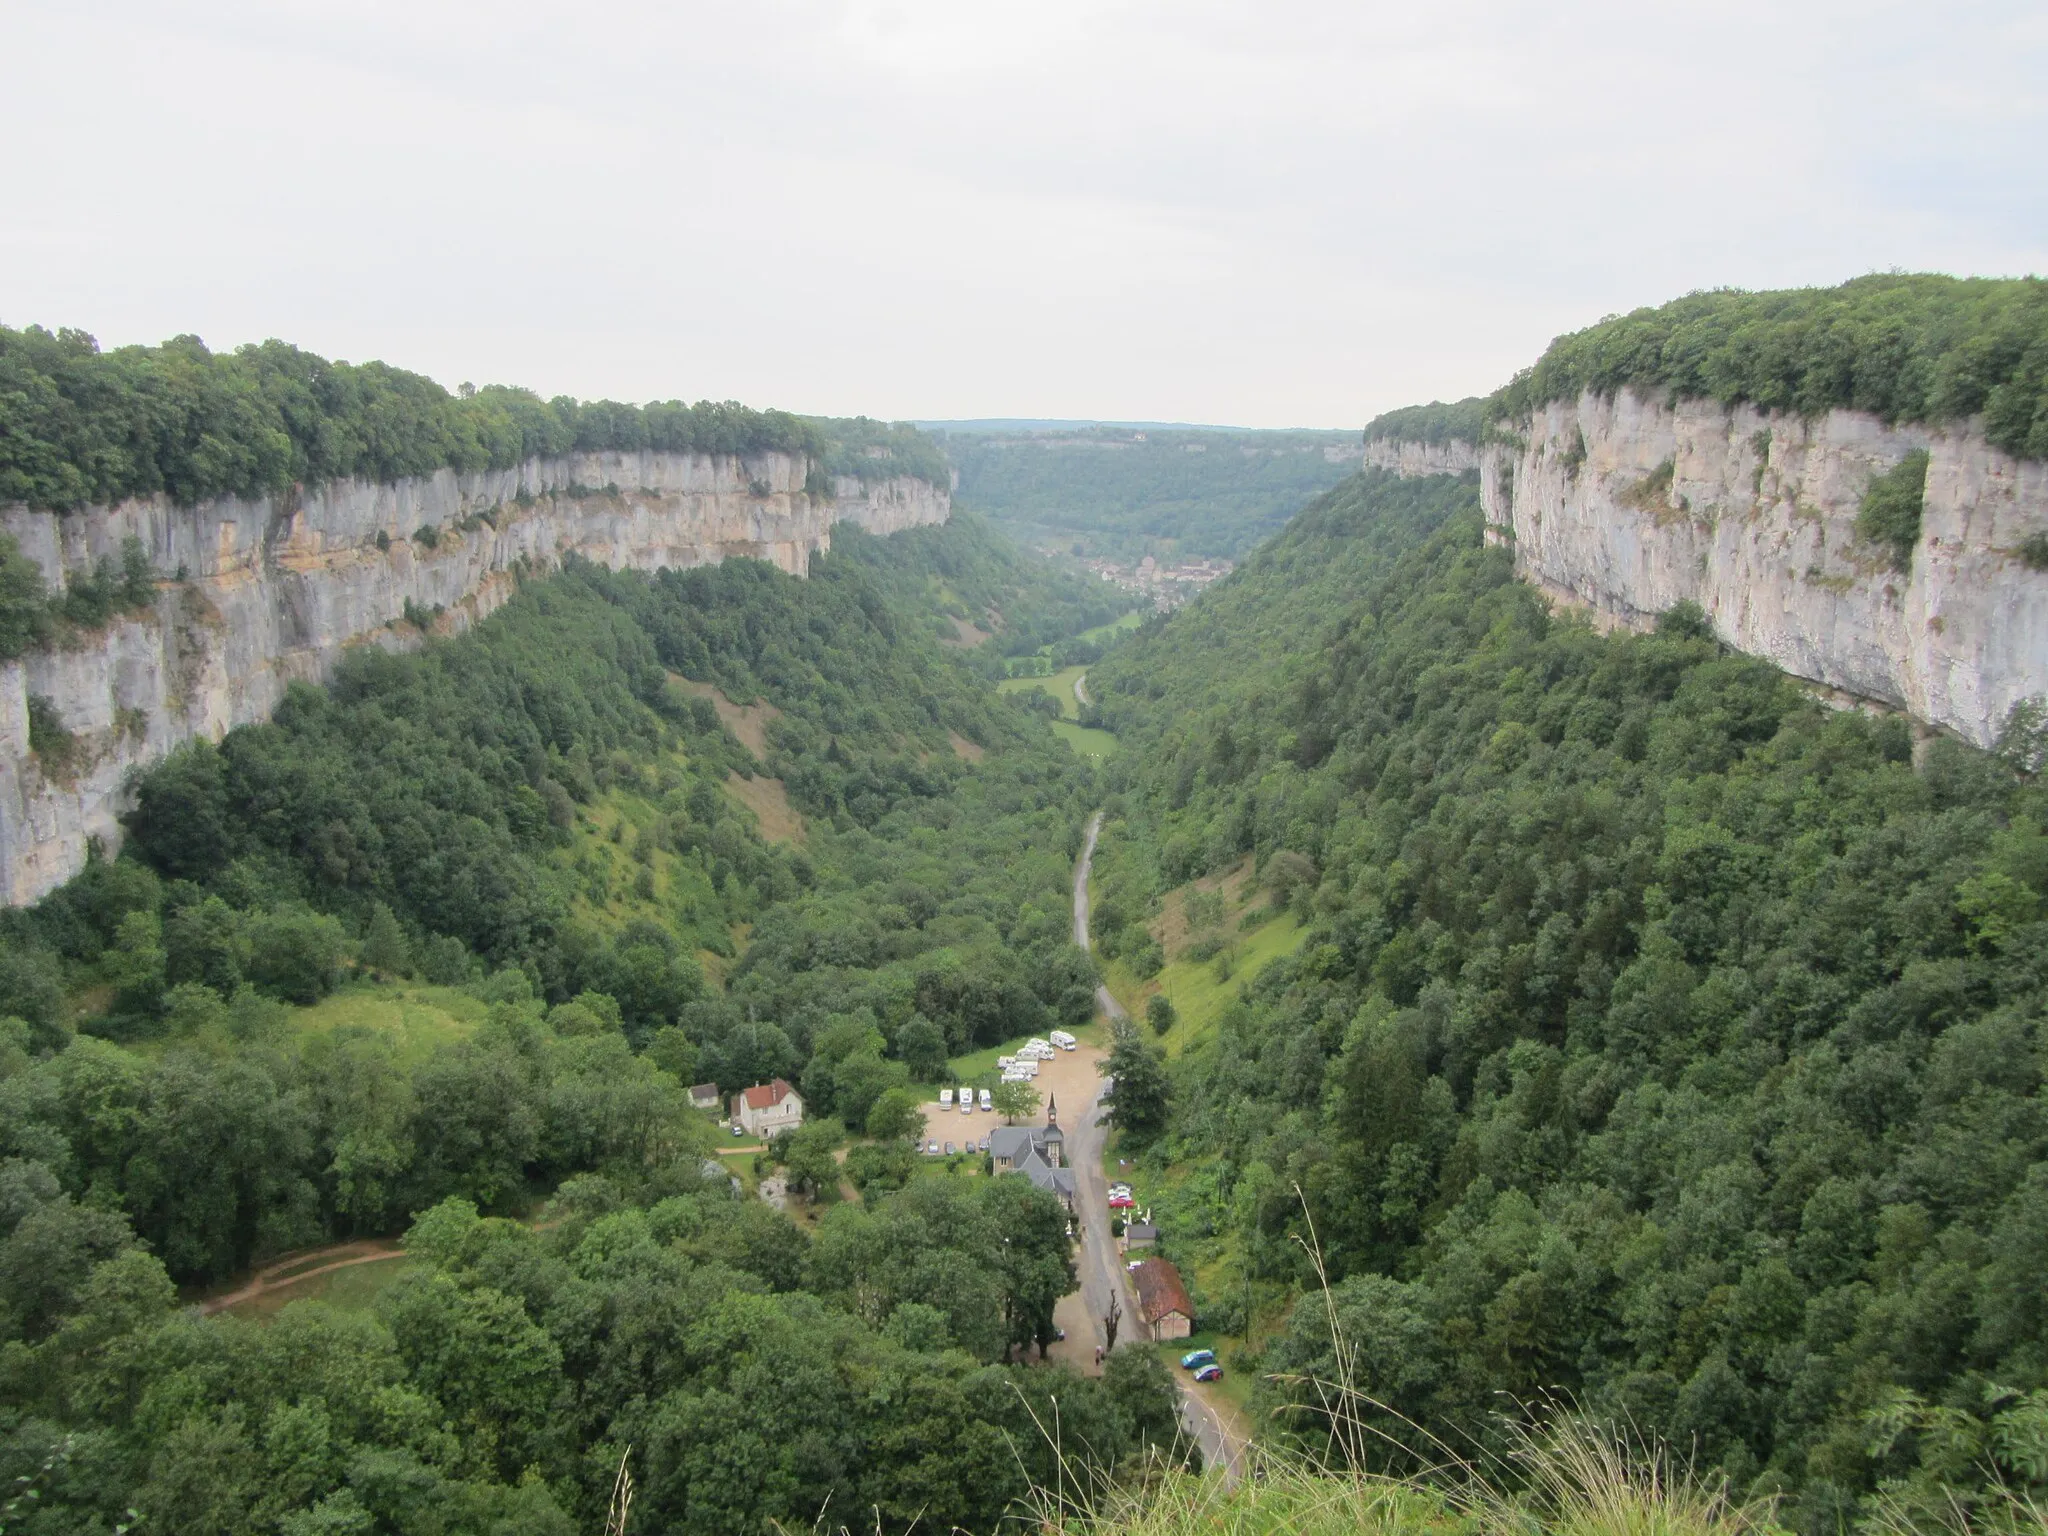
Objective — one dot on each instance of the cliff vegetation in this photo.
(1437, 422)
(1904, 347)
(81, 427)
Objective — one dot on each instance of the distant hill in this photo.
(1129, 489)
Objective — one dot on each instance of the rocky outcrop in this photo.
(1627, 506)
(272, 591)
(1451, 456)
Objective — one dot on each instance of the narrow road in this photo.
(1111, 1008)
(1081, 690)
(1101, 1268)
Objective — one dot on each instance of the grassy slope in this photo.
(419, 1019)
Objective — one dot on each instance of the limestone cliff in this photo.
(272, 591)
(1626, 506)
(1448, 457)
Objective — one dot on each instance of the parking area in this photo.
(1068, 1079)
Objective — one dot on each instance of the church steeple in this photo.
(1052, 1110)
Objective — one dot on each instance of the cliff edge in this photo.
(1625, 506)
(274, 589)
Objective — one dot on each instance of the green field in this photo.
(1060, 686)
(1085, 740)
(1101, 634)
(1193, 987)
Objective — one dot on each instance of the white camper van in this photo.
(986, 1105)
(945, 1098)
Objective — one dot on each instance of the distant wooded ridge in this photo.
(1086, 424)
(1904, 347)
(1127, 490)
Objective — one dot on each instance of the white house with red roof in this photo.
(767, 1109)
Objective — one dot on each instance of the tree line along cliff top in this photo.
(1904, 347)
(81, 427)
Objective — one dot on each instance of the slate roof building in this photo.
(1036, 1151)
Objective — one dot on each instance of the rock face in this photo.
(1626, 506)
(1449, 457)
(275, 591)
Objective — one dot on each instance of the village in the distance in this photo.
(1164, 586)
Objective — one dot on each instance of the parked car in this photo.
(1194, 1360)
(1209, 1373)
(1121, 1202)
(931, 1149)
(738, 1131)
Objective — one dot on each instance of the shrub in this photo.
(296, 955)
(1891, 508)
(54, 746)
(24, 609)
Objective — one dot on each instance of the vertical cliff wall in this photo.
(275, 590)
(1448, 457)
(1627, 506)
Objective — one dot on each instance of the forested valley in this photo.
(1530, 1024)
(437, 952)
(1650, 1039)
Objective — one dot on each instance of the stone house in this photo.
(768, 1109)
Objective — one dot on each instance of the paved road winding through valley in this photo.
(1101, 1267)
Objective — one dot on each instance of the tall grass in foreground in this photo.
(1574, 1479)
(1563, 1473)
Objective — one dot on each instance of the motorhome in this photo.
(1063, 1040)
(945, 1098)
(986, 1103)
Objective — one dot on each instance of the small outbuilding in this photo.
(1140, 1234)
(1163, 1305)
(704, 1096)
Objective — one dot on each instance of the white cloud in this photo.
(1283, 213)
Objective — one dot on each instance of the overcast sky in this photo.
(1265, 214)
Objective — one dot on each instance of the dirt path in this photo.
(304, 1265)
